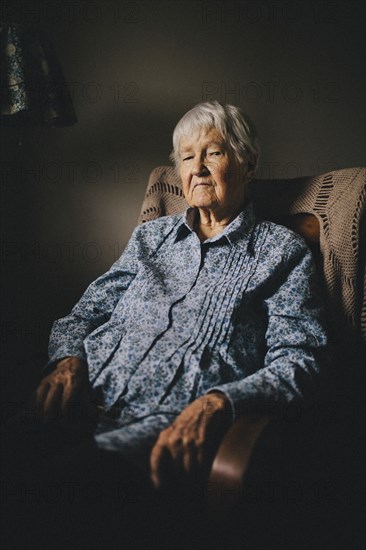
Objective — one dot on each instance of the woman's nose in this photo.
(199, 168)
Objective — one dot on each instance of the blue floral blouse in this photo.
(175, 318)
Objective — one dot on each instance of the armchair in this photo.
(328, 210)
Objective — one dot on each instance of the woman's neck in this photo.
(209, 224)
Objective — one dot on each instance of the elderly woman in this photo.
(206, 314)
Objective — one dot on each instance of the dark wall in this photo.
(133, 69)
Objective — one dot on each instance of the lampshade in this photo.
(33, 90)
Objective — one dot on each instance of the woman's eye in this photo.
(215, 153)
(187, 158)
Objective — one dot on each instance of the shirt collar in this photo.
(240, 226)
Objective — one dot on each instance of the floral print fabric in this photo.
(175, 318)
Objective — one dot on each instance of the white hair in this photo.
(233, 124)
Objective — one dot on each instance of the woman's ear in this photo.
(247, 174)
(251, 168)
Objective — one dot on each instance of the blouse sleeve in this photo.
(295, 342)
(95, 307)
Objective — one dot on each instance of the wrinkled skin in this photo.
(184, 451)
(58, 392)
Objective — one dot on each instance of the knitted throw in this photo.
(337, 199)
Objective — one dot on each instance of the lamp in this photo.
(33, 90)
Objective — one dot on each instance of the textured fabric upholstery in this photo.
(338, 201)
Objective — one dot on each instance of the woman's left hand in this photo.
(186, 449)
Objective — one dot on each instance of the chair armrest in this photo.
(225, 482)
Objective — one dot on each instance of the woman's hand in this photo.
(66, 386)
(184, 451)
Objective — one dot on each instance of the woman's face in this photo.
(212, 177)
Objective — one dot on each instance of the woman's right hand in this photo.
(66, 388)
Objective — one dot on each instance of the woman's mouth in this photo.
(202, 183)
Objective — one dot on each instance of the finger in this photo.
(160, 465)
(205, 457)
(156, 458)
(71, 397)
(40, 393)
(51, 408)
(181, 447)
(175, 447)
(193, 449)
(189, 457)
(38, 399)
